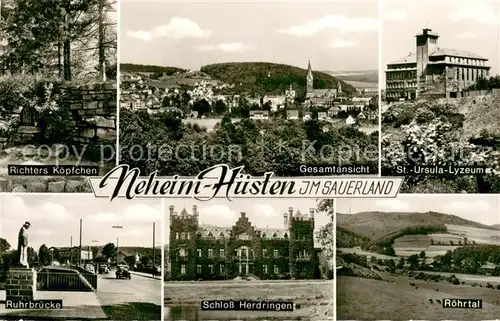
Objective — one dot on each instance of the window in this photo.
(264, 253)
(176, 236)
(265, 269)
(276, 269)
(275, 253)
(183, 236)
(211, 268)
(199, 252)
(222, 253)
(198, 269)
(183, 269)
(210, 253)
(188, 235)
(244, 237)
(221, 269)
(182, 252)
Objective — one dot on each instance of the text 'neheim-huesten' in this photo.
(221, 181)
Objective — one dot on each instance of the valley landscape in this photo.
(399, 265)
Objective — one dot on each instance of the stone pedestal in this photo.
(20, 284)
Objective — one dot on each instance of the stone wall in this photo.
(20, 284)
(94, 111)
(44, 184)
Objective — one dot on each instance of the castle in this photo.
(210, 252)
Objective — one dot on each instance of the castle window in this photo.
(275, 253)
(198, 269)
(199, 252)
(188, 235)
(222, 253)
(264, 253)
(276, 269)
(244, 237)
(176, 236)
(183, 269)
(183, 236)
(221, 269)
(211, 268)
(182, 252)
(210, 253)
(265, 269)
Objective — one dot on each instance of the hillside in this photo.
(375, 225)
(149, 68)
(346, 238)
(270, 78)
(363, 76)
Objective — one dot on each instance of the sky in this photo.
(461, 24)
(261, 213)
(56, 218)
(484, 209)
(335, 36)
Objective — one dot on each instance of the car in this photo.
(122, 272)
(103, 268)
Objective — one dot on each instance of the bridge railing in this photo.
(61, 281)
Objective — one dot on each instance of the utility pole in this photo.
(117, 252)
(80, 254)
(70, 250)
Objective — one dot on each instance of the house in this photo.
(208, 252)
(259, 114)
(292, 114)
(361, 116)
(322, 115)
(350, 120)
(487, 269)
(276, 102)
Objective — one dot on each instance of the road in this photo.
(137, 299)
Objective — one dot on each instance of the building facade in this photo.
(433, 70)
(209, 252)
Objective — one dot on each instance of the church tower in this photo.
(309, 80)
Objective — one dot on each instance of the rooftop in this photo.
(456, 53)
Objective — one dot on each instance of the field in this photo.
(395, 299)
(313, 299)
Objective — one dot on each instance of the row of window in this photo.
(239, 253)
(467, 61)
(222, 269)
(405, 84)
(468, 74)
(244, 237)
(402, 75)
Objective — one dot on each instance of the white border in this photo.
(117, 143)
(162, 292)
(380, 78)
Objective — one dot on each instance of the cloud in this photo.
(103, 217)
(465, 207)
(43, 232)
(264, 210)
(395, 15)
(341, 43)
(218, 212)
(226, 47)
(466, 35)
(176, 28)
(478, 12)
(142, 212)
(338, 22)
(45, 211)
(392, 205)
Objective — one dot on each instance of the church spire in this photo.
(309, 80)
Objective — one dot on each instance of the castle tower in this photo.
(309, 80)
(427, 43)
(182, 245)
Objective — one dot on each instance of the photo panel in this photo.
(58, 94)
(77, 257)
(249, 260)
(418, 257)
(295, 94)
(441, 95)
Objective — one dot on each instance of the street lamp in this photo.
(117, 239)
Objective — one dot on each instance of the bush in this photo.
(404, 118)
(424, 116)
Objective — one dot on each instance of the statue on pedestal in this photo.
(22, 245)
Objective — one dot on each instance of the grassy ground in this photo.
(133, 311)
(314, 300)
(394, 299)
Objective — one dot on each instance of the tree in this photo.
(130, 260)
(422, 255)
(145, 260)
(220, 107)
(32, 256)
(325, 233)
(413, 261)
(202, 107)
(109, 250)
(401, 263)
(95, 251)
(44, 255)
(4, 245)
